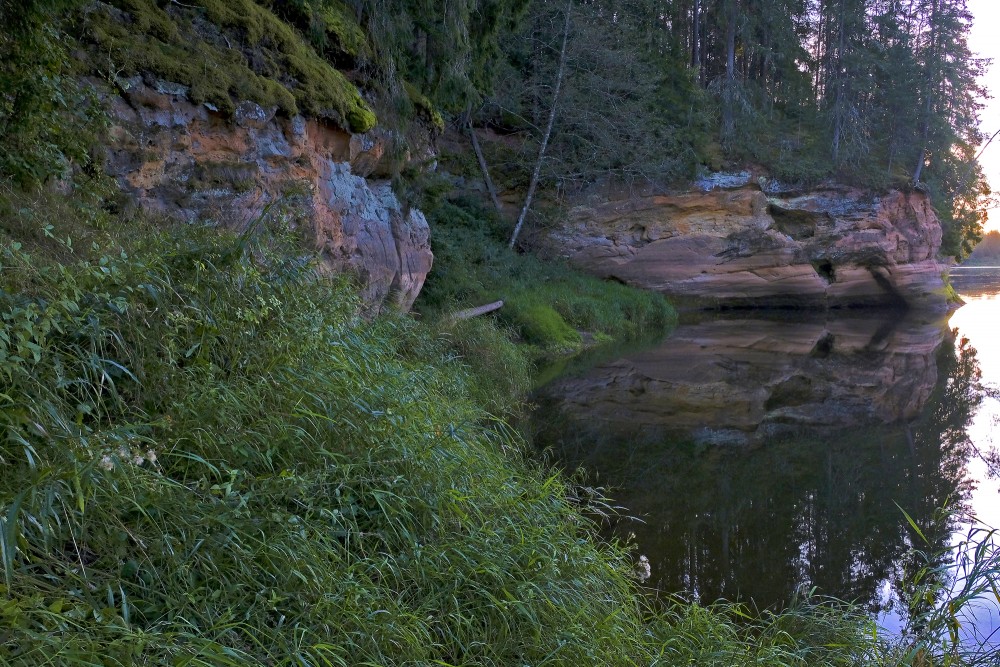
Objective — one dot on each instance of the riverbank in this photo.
(211, 459)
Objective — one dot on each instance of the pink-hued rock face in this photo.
(184, 161)
(834, 247)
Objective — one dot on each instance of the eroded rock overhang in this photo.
(831, 247)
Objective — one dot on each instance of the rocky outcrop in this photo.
(757, 246)
(738, 381)
(188, 162)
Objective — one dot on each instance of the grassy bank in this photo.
(548, 306)
(211, 460)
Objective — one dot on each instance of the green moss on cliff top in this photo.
(225, 51)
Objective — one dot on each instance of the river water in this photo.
(758, 455)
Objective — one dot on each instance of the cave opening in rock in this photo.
(823, 347)
(825, 271)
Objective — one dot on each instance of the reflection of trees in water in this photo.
(816, 510)
(941, 450)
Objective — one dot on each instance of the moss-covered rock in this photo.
(226, 51)
(422, 104)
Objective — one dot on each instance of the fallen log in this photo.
(469, 313)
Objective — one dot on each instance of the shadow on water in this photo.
(762, 456)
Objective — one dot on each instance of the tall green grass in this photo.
(550, 307)
(209, 458)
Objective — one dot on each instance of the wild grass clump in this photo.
(813, 631)
(210, 459)
(548, 304)
(501, 369)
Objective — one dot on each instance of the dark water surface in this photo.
(761, 456)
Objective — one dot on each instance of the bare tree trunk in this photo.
(469, 313)
(482, 162)
(696, 36)
(548, 131)
(932, 67)
(728, 122)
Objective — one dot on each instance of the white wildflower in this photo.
(107, 463)
(151, 456)
(642, 569)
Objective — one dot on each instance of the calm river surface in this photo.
(756, 456)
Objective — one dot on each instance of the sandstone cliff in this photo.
(188, 162)
(755, 246)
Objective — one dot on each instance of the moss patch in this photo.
(424, 106)
(338, 26)
(225, 52)
(329, 25)
(540, 324)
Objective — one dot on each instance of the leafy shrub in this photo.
(47, 123)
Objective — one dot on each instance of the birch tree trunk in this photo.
(548, 131)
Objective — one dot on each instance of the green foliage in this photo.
(540, 324)
(47, 123)
(623, 109)
(547, 303)
(448, 51)
(272, 64)
(987, 252)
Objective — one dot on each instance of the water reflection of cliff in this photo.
(849, 418)
(745, 380)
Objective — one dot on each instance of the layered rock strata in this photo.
(743, 247)
(188, 162)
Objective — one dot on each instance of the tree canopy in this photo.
(878, 93)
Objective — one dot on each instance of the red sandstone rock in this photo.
(187, 162)
(834, 247)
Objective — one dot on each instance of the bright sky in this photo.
(985, 43)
